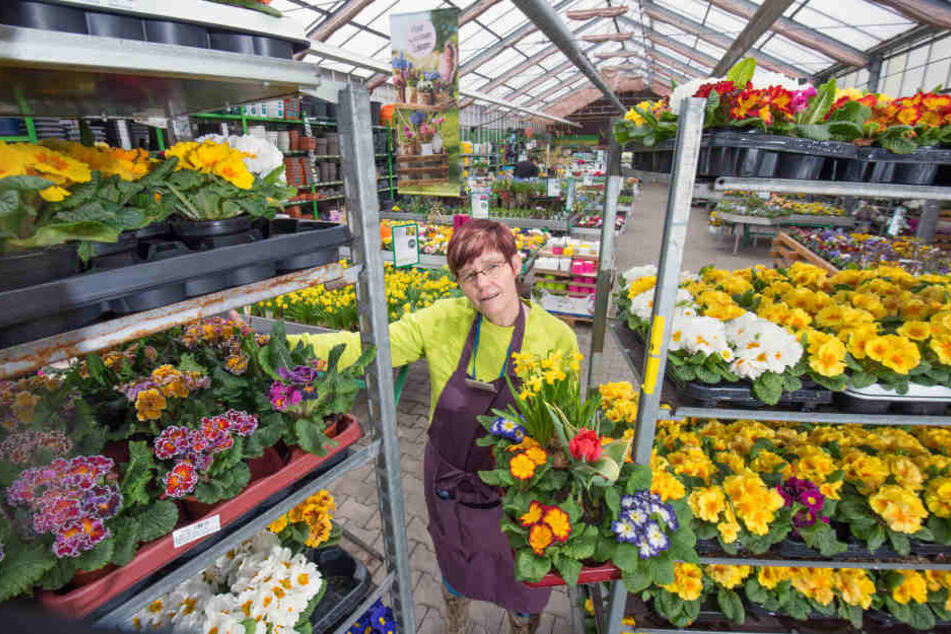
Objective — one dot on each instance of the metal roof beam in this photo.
(687, 51)
(340, 18)
(796, 32)
(604, 12)
(767, 61)
(609, 37)
(933, 12)
(548, 51)
(510, 39)
(542, 14)
(764, 18)
(676, 64)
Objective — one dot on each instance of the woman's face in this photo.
(490, 283)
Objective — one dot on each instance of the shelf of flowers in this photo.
(776, 210)
(116, 232)
(407, 290)
(291, 576)
(866, 340)
(120, 463)
(765, 125)
(577, 510)
(847, 250)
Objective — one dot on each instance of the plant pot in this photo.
(85, 577)
(348, 583)
(110, 255)
(113, 25)
(273, 47)
(232, 42)
(40, 15)
(426, 149)
(29, 268)
(166, 32)
(437, 143)
(210, 234)
(41, 327)
(268, 463)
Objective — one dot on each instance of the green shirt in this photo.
(439, 334)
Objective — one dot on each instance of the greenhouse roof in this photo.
(506, 56)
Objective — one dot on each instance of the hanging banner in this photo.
(426, 75)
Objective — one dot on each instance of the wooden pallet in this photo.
(786, 250)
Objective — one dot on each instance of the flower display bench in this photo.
(786, 250)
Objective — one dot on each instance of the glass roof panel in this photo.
(502, 62)
(784, 48)
(341, 35)
(860, 24)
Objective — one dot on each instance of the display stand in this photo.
(651, 369)
(185, 80)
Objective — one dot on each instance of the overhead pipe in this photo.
(551, 25)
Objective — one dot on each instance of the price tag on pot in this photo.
(192, 532)
(405, 244)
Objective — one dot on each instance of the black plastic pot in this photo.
(348, 584)
(273, 47)
(112, 25)
(211, 233)
(161, 295)
(40, 15)
(921, 167)
(899, 405)
(36, 266)
(304, 260)
(375, 107)
(232, 42)
(165, 32)
(110, 255)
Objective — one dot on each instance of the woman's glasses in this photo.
(492, 270)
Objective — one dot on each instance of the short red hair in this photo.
(476, 237)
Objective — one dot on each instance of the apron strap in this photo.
(515, 345)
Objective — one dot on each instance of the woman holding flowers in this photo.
(468, 342)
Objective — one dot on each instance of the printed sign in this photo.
(479, 201)
(570, 198)
(425, 63)
(554, 188)
(405, 244)
(188, 534)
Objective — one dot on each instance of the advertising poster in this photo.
(426, 75)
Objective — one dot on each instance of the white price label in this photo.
(764, 195)
(192, 532)
(479, 202)
(554, 188)
(405, 244)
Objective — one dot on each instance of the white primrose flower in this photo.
(220, 623)
(763, 78)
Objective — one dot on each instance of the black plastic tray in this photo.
(737, 394)
(924, 166)
(899, 405)
(348, 584)
(53, 16)
(156, 283)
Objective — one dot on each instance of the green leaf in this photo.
(819, 105)
(530, 567)
(754, 591)
(625, 558)
(742, 72)
(24, 183)
(707, 376)
(662, 572)
(137, 474)
(922, 617)
(125, 535)
(582, 548)
(97, 557)
(899, 542)
(59, 575)
(54, 234)
(613, 499)
(768, 387)
(22, 566)
(815, 131)
(157, 520)
(863, 379)
(309, 436)
(731, 605)
(569, 569)
(640, 479)
(637, 582)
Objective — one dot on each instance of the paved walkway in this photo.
(357, 495)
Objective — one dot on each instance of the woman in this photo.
(467, 343)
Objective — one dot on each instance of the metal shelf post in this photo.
(363, 204)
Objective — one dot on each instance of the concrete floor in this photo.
(356, 495)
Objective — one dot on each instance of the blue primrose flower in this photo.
(666, 513)
(653, 541)
(509, 429)
(626, 531)
(417, 117)
(637, 515)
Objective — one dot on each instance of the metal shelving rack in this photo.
(655, 389)
(171, 82)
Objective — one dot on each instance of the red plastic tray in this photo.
(84, 600)
(589, 574)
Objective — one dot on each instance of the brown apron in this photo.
(464, 513)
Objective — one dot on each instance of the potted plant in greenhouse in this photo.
(571, 496)
(314, 395)
(215, 192)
